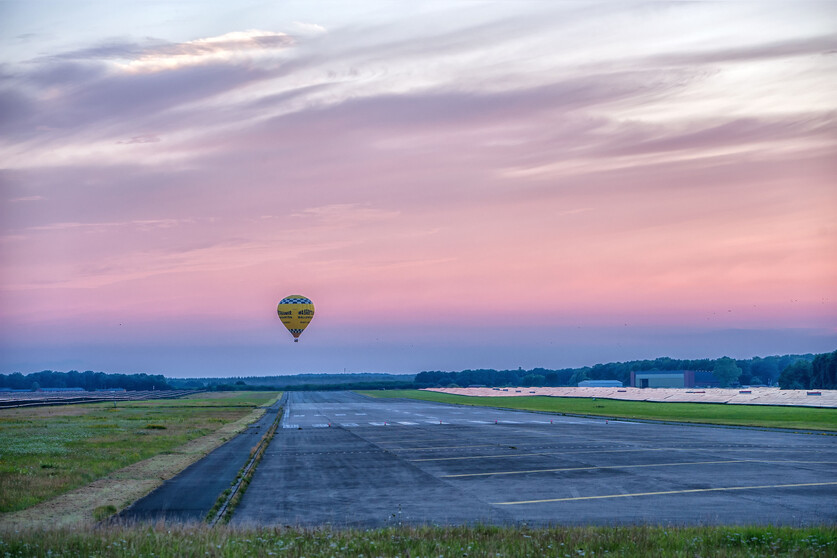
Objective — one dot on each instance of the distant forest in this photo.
(89, 381)
(300, 382)
(788, 371)
(807, 371)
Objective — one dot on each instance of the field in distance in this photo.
(47, 451)
(763, 416)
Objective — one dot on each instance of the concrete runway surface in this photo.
(347, 460)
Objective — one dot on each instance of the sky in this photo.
(454, 184)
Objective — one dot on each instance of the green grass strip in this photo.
(481, 541)
(763, 416)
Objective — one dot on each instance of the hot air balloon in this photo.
(296, 312)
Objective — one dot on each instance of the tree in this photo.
(726, 371)
(530, 380)
(579, 376)
(765, 369)
(824, 371)
(796, 376)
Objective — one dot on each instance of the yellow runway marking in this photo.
(792, 461)
(629, 467)
(592, 468)
(687, 491)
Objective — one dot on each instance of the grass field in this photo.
(772, 416)
(495, 542)
(46, 451)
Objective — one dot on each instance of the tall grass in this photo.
(46, 451)
(572, 542)
(765, 416)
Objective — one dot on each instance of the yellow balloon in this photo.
(296, 312)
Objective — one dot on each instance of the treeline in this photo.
(755, 371)
(89, 381)
(819, 373)
(293, 382)
(241, 386)
(806, 371)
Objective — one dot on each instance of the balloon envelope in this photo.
(296, 312)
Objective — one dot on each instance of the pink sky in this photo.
(454, 185)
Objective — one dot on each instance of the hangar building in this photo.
(600, 383)
(673, 379)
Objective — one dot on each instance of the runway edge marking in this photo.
(594, 467)
(664, 492)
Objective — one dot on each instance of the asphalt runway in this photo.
(346, 460)
(188, 497)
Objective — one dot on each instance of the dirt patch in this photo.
(120, 488)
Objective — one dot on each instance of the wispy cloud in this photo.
(312, 28)
(345, 213)
(27, 199)
(825, 45)
(144, 138)
(233, 46)
(100, 227)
